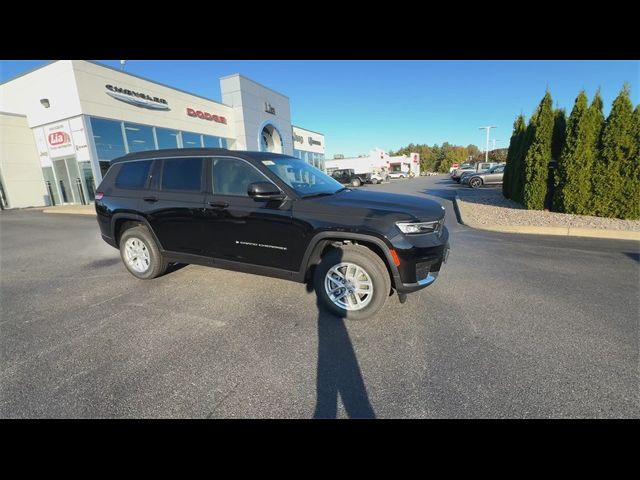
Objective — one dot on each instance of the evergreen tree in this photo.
(573, 173)
(539, 155)
(614, 183)
(510, 169)
(630, 172)
(517, 192)
(559, 133)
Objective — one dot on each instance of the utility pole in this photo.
(486, 151)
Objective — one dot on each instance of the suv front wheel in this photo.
(352, 282)
(140, 254)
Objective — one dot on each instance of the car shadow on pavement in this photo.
(338, 372)
(633, 255)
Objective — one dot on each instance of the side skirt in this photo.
(231, 265)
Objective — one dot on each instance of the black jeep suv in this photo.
(273, 215)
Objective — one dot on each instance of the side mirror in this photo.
(261, 191)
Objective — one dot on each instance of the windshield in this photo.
(302, 177)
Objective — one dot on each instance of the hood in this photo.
(368, 203)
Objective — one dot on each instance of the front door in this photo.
(238, 228)
(495, 176)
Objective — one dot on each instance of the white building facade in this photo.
(378, 161)
(81, 115)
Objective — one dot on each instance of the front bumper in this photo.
(426, 272)
(421, 259)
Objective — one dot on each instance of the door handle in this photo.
(220, 205)
(150, 199)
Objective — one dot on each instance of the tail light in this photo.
(99, 195)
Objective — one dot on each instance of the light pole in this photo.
(122, 63)
(486, 151)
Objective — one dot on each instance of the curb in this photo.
(70, 212)
(562, 231)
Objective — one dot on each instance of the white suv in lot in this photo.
(398, 174)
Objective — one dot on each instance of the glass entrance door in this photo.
(64, 184)
(71, 182)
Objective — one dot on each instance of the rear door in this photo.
(174, 205)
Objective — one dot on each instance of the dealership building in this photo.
(61, 125)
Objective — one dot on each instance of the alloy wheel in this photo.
(349, 286)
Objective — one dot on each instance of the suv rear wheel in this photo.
(355, 182)
(140, 254)
(352, 282)
(475, 182)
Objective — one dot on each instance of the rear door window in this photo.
(182, 174)
(133, 174)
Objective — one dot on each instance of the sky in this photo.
(360, 105)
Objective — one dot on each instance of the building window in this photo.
(191, 140)
(107, 137)
(210, 141)
(139, 137)
(167, 138)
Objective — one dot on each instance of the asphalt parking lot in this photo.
(516, 326)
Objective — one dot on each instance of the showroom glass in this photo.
(133, 174)
(184, 174)
(233, 177)
(302, 177)
(210, 141)
(191, 140)
(139, 137)
(167, 138)
(107, 137)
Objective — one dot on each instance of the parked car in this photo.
(457, 173)
(492, 177)
(347, 176)
(376, 177)
(273, 215)
(398, 174)
(471, 169)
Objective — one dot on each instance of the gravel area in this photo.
(489, 207)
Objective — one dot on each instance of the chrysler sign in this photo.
(137, 98)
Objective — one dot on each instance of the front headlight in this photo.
(410, 228)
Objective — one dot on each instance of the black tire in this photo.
(475, 182)
(157, 264)
(367, 260)
(374, 181)
(356, 182)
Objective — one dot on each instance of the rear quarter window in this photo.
(133, 174)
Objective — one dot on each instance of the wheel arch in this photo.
(119, 220)
(325, 240)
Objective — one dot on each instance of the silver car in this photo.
(492, 177)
